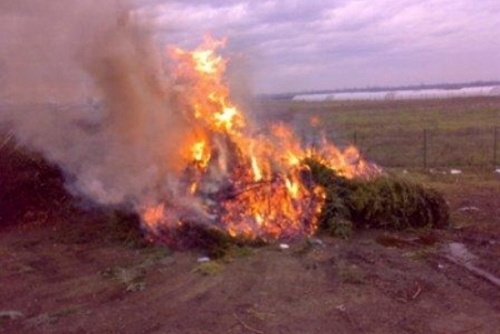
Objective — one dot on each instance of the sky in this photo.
(292, 45)
(273, 46)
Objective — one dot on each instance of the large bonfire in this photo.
(241, 182)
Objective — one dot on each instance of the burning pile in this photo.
(246, 184)
(175, 150)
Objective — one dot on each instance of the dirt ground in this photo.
(68, 269)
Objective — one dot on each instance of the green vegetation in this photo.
(132, 279)
(210, 268)
(383, 202)
(214, 242)
(52, 317)
(350, 274)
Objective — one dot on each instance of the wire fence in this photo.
(428, 148)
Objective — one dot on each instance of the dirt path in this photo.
(374, 283)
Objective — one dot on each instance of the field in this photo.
(459, 132)
(67, 268)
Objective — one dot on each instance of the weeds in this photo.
(51, 317)
(133, 279)
(210, 268)
(351, 274)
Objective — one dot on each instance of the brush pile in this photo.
(382, 202)
(379, 202)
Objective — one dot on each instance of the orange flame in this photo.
(210, 96)
(247, 185)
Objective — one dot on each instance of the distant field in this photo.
(459, 132)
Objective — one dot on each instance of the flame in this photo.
(200, 153)
(153, 215)
(249, 185)
(209, 96)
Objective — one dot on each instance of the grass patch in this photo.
(52, 317)
(239, 251)
(460, 131)
(350, 274)
(210, 268)
(133, 279)
(215, 243)
(419, 255)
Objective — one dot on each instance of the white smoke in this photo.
(124, 149)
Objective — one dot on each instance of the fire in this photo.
(251, 186)
(209, 97)
(153, 214)
(200, 153)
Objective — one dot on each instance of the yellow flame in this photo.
(267, 196)
(292, 187)
(257, 173)
(225, 118)
(206, 62)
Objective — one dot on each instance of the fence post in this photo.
(425, 148)
(495, 137)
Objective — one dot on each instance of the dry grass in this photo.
(460, 132)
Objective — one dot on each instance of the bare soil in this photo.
(66, 268)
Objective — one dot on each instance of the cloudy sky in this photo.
(292, 45)
(277, 46)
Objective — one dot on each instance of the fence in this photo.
(427, 148)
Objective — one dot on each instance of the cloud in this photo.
(318, 44)
(302, 42)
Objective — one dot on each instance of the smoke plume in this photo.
(123, 147)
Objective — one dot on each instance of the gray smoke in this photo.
(124, 146)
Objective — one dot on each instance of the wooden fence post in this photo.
(425, 148)
(495, 137)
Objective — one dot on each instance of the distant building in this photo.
(495, 91)
(413, 94)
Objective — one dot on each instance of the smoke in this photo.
(124, 149)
